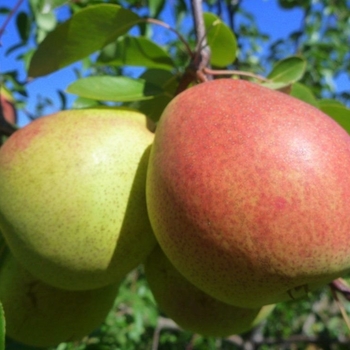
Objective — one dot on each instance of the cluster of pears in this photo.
(238, 201)
(73, 214)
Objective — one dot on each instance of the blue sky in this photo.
(270, 18)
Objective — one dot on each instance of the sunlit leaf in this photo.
(278, 85)
(120, 89)
(84, 33)
(303, 93)
(329, 101)
(221, 41)
(339, 113)
(49, 5)
(46, 21)
(83, 102)
(136, 51)
(288, 71)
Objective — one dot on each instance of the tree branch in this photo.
(167, 26)
(10, 15)
(202, 49)
(340, 285)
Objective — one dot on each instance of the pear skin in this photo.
(40, 315)
(191, 308)
(248, 192)
(72, 204)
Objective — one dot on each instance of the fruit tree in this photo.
(173, 176)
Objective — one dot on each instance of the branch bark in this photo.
(202, 59)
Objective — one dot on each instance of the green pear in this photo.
(38, 314)
(72, 204)
(191, 308)
(248, 192)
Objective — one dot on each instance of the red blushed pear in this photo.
(7, 105)
(191, 308)
(72, 204)
(248, 192)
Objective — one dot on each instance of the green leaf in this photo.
(339, 113)
(289, 4)
(46, 6)
(82, 102)
(221, 41)
(23, 25)
(2, 328)
(119, 89)
(288, 71)
(136, 51)
(275, 85)
(303, 93)
(84, 33)
(155, 7)
(164, 79)
(46, 21)
(50, 5)
(328, 102)
(167, 82)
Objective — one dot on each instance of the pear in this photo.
(7, 104)
(191, 308)
(248, 192)
(38, 314)
(72, 204)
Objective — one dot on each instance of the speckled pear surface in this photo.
(248, 192)
(72, 204)
(191, 308)
(40, 315)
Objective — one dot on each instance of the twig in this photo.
(201, 58)
(187, 78)
(341, 308)
(234, 72)
(341, 286)
(10, 15)
(163, 323)
(167, 26)
(197, 12)
(191, 344)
